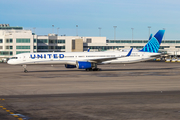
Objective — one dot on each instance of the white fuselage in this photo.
(72, 57)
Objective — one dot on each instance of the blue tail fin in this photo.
(154, 43)
(150, 36)
(159, 35)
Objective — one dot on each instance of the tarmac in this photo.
(141, 91)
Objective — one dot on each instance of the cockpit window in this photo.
(14, 58)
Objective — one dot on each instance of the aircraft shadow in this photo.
(75, 70)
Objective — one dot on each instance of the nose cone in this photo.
(10, 62)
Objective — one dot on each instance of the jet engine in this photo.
(84, 65)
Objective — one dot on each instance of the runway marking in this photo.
(7, 110)
(11, 113)
(15, 115)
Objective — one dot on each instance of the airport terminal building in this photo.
(16, 40)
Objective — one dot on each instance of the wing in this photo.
(99, 60)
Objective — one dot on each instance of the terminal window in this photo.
(162, 47)
(22, 40)
(145, 41)
(88, 40)
(22, 47)
(170, 41)
(42, 47)
(9, 47)
(105, 47)
(42, 41)
(51, 47)
(125, 41)
(136, 41)
(6, 53)
(18, 52)
(137, 47)
(51, 41)
(1, 40)
(60, 47)
(61, 41)
(9, 40)
(73, 44)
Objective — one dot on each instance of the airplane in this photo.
(90, 60)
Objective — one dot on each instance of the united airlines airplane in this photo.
(90, 60)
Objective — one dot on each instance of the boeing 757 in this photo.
(90, 60)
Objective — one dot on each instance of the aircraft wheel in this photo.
(90, 69)
(96, 69)
(25, 71)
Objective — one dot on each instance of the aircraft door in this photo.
(24, 58)
(52, 58)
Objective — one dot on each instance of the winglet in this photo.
(129, 52)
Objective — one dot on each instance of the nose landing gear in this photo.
(25, 70)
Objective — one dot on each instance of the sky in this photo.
(90, 15)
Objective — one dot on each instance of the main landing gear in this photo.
(25, 70)
(94, 68)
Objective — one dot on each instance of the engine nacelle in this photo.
(70, 66)
(84, 65)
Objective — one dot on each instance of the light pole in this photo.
(149, 29)
(132, 33)
(76, 30)
(58, 30)
(34, 29)
(115, 32)
(52, 28)
(99, 31)
(164, 33)
(34, 40)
